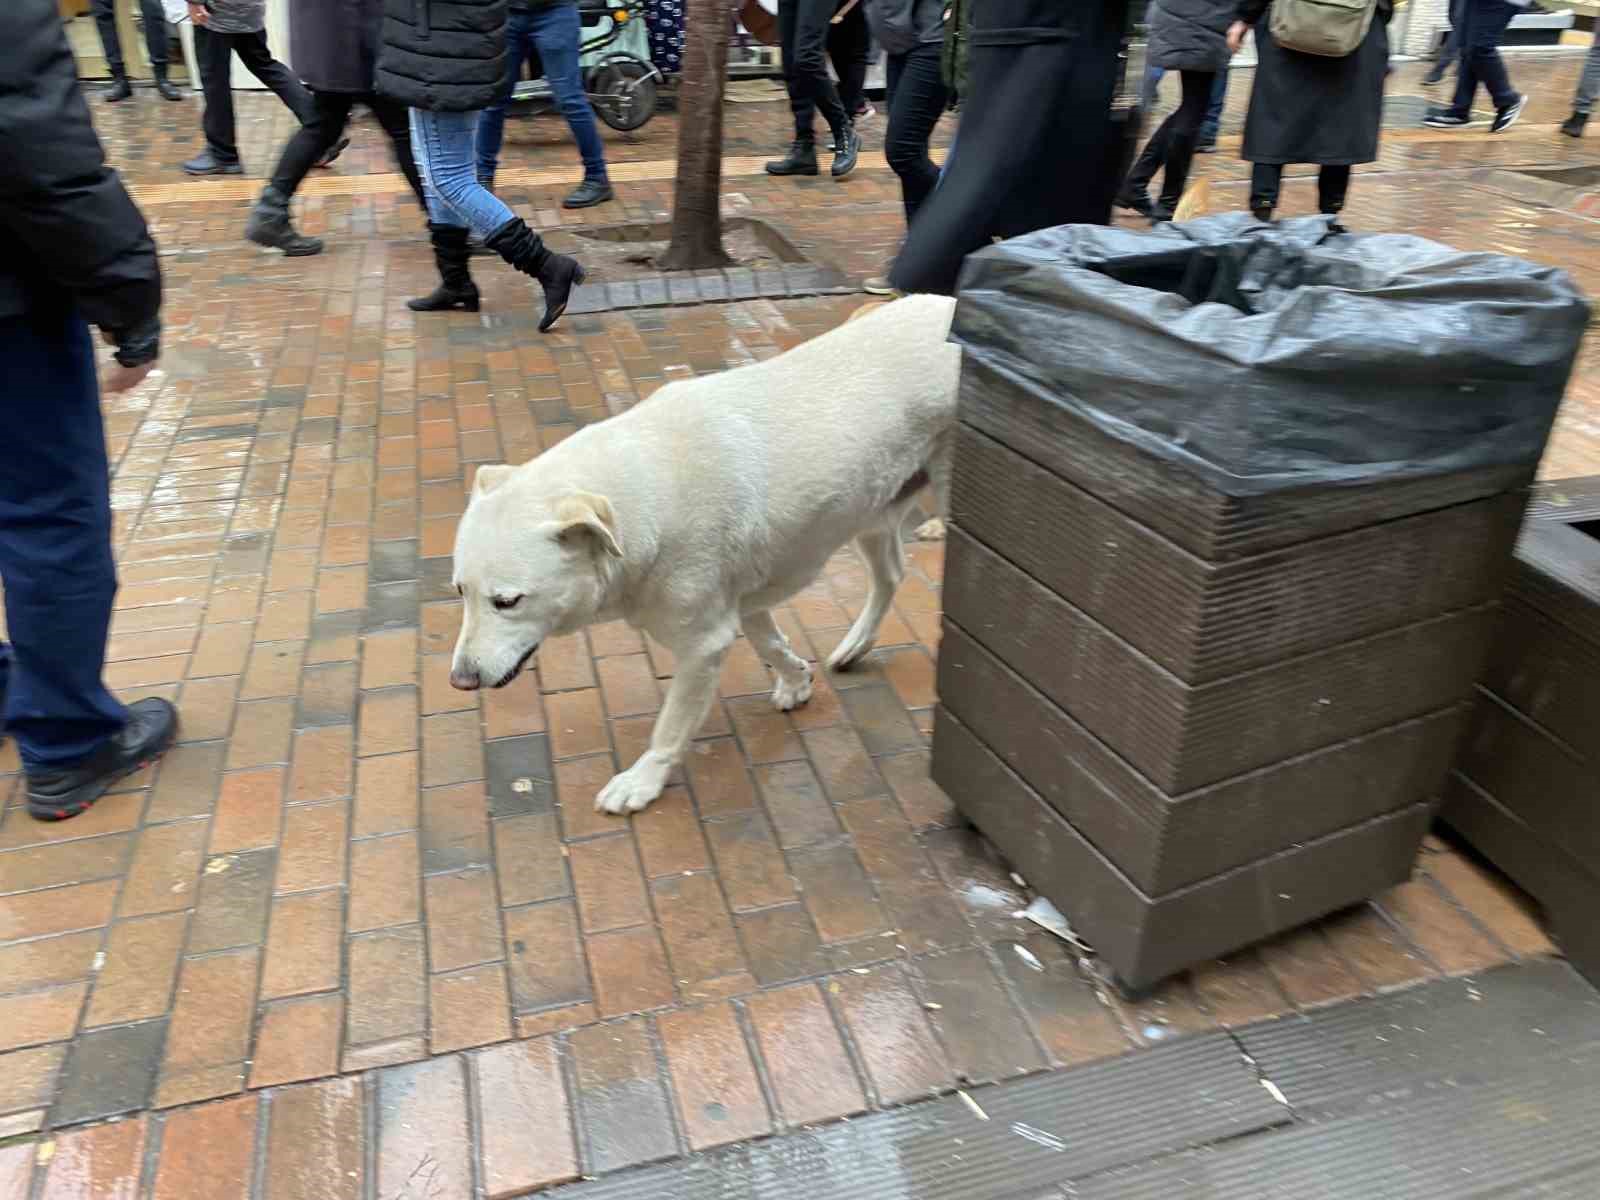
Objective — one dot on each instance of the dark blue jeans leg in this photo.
(55, 541)
(917, 98)
(557, 32)
(1484, 22)
(492, 120)
(1213, 118)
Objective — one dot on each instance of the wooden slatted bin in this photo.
(1193, 715)
(1526, 789)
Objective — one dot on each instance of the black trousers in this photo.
(1266, 184)
(330, 114)
(214, 53)
(850, 48)
(803, 32)
(1172, 144)
(917, 99)
(155, 32)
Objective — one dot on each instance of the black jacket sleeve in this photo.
(62, 208)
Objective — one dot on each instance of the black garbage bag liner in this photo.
(1272, 357)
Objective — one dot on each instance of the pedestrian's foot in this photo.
(1574, 125)
(589, 193)
(1262, 212)
(847, 149)
(166, 89)
(207, 163)
(1505, 118)
(1433, 78)
(1445, 119)
(333, 152)
(1138, 202)
(801, 160)
(559, 275)
(59, 794)
(120, 89)
(1162, 211)
(1207, 147)
(879, 285)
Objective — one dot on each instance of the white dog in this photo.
(695, 513)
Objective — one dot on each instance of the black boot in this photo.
(801, 159)
(1573, 126)
(164, 86)
(120, 88)
(1261, 209)
(59, 794)
(525, 250)
(846, 150)
(456, 289)
(270, 225)
(1136, 201)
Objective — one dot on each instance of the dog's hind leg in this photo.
(939, 468)
(882, 551)
(794, 674)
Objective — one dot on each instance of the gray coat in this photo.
(1190, 35)
(335, 43)
(902, 25)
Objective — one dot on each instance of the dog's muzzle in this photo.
(516, 670)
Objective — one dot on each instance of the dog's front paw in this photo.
(931, 530)
(635, 788)
(792, 693)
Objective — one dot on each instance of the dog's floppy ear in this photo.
(583, 514)
(487, 478)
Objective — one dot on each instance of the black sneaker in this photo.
(846, 150)
(1574, 125)
(57, 795)
(207, 163)
(589, 193)
(1505, 118)
(1446, 120)
(119, 90)
(1433, 78)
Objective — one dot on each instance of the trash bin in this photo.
(1232, 510)
(1526, 787)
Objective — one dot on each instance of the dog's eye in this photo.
(505, 602)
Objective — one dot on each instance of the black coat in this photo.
(443, 55)
(69, 233)
(1190, 35)
(334, 43)
(1306, 108)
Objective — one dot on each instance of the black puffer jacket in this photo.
(1190, 35)
(69, 233)
(443, 55)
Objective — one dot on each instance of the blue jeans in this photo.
(550, 36)
(55, 541)
(1484, 21)
(1212, 121)
(442, 143)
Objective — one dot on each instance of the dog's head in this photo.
(526, 568)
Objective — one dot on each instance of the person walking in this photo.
(1311, 108)
(154, 18)
(1588, 91)
(803, 27)
(1190, 37)
(548, 33)
(74, 251)
(1483, 24)
(850, 52)
(445, 61)
(336, 53)
(223, 28)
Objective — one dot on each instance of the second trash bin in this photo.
(1232, 509)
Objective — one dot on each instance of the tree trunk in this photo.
(697, 201)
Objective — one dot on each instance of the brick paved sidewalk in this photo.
(362, 935)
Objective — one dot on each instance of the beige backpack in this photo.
(1330, 28)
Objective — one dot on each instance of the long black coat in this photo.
(1306, 108)
(334, 43)
(1190, 35)
(443, 55)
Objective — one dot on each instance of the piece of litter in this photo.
(932, 1007)
(973, 1105)
(1029, 957)
(1275, 1092)
(860, 971)
(1018, 880)
(1038, 1137)
(1047, 916)
(45, 1152)
(218, 865)
(1153, 1033)
(523, 785)
(99, 960)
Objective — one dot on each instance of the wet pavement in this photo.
(362, 935)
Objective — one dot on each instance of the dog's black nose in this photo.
(464, 680)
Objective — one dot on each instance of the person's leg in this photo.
(105, 20)
(812, 21)
(55, 542)
(850, 49)
(396, 124)
(1589, 83)
(1266, 184)
(1490, 18)
(269, 223)
(1135, 193)
(214, 54)
(256, 55)
(1450, 48)
(443, 144)
(557, 32)
(915, 105)
(1333, 185)
(492, 121)
(155, 32)
(1183, 132)
(801, 105)
(1212, 123)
